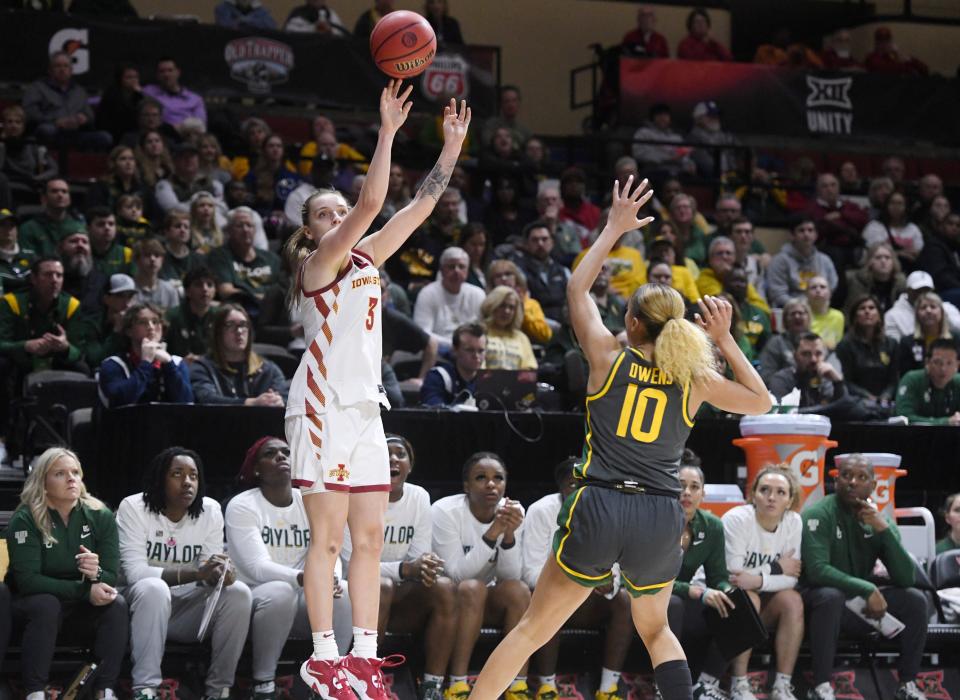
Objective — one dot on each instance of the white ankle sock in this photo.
(324, 646)
(707, 679)
(782, 679)
(364, 643)
(457, 679)
(265, 687)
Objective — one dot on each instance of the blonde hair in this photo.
(496, 297)
(204, 239)
(34, 495)
(944, 331)
(681, 349)
(781, 469)
(299, 246)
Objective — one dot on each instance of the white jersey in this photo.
(407, 532)
(539, 525)
(150, 542)
(265, 542)
(752, 549)
(341, 327)
(458, 540)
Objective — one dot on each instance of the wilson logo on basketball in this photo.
(259, 62)
(445, 78)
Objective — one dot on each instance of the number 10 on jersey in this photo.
(637, 404)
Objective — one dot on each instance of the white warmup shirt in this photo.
(267, 543)
(752, 549)
(538, 527)
(458, 540)
(150, 542)
(439, 312)
(407, 532)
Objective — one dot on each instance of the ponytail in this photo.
(681, 349)
(299, 246)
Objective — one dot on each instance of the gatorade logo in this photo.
(882, 493)
(805, 464)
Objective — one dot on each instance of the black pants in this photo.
(6, 620)
(685, 617)
(827, 614)
(42, 616)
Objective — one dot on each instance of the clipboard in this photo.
(741, 630)
(211, 605)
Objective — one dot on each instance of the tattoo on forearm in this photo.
(436, 182)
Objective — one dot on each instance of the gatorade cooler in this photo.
(800, 441)
(886, 469)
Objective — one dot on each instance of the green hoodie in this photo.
(36, 567)
(840, 551)
(706, 549)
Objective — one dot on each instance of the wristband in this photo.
(487, 541)
(703, 595)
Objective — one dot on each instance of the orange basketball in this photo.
(403, 44)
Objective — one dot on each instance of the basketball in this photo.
(403, 44)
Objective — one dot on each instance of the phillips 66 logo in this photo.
(445, 78)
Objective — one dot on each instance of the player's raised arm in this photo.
(597, 342)
(747, 394)
(385, 242)
(337, 243)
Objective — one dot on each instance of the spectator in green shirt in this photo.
(43, 232)
(190, 323)
(951, 515)
(703, 545)
(244, 273)
(109, 255)
(64, 560)
(932, 395)
(843, 536)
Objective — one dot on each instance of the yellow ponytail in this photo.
(681, 349)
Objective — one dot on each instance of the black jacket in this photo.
(212, 384)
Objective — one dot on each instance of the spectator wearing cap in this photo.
(80, 277)
(797, 262)
(644, 41)
(900, 319)
(178, 102)
(939, 257)
(576, 207)
(109, 255)
(243, 14)
(653, 159)
(707, 130)
(190, 323)
(103, 330)
(59, 109)
(186, 180)
(662, 248)
(41, 327)
(698, 45)
(15, 260)
(886, 57)
(837, 55)
(43, 232)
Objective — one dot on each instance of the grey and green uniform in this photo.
(626, 509)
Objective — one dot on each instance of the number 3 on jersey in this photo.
(372, 301)
(638, 404)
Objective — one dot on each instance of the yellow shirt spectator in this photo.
(509, 349)
(627, 269)
(829, 327)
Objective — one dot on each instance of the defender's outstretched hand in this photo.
(454, 124)
(626, 205)
(394, 107)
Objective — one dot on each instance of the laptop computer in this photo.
(506, 389)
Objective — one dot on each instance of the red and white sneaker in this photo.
(366, 678)
(326, 679)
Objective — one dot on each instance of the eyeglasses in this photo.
(236, 326)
